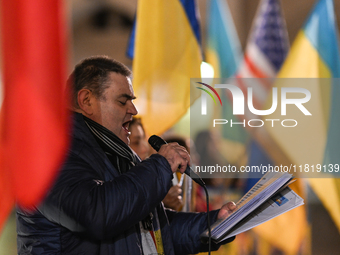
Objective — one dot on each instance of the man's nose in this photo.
(132, 109)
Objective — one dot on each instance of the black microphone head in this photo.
(156, 142)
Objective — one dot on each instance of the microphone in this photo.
(156, 142)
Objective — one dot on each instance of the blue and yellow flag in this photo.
(223, 51)
(166, 55)
(315, 54)
(266, 51)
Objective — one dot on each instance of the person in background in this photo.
(138, 141)
(105, 200)
(189, 187)
(139, 144)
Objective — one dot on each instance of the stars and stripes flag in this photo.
(266, 49)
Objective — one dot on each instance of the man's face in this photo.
(115, 110)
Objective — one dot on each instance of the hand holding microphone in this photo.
(177, 156)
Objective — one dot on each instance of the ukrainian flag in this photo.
(223, 47)
(166, 55)
(315, 54)
(223, 51)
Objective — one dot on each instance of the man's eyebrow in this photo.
(127, 96)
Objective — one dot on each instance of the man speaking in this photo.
(105, 201)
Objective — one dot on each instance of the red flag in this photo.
(35, 119)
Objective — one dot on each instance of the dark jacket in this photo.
(92, 209)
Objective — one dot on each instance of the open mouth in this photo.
(126, 127)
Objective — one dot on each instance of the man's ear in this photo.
(85, 102)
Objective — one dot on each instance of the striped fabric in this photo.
(265, 52)
(113, 144)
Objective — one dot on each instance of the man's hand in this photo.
(176, 155)
(226, 210)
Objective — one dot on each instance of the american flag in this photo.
(266, 50)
